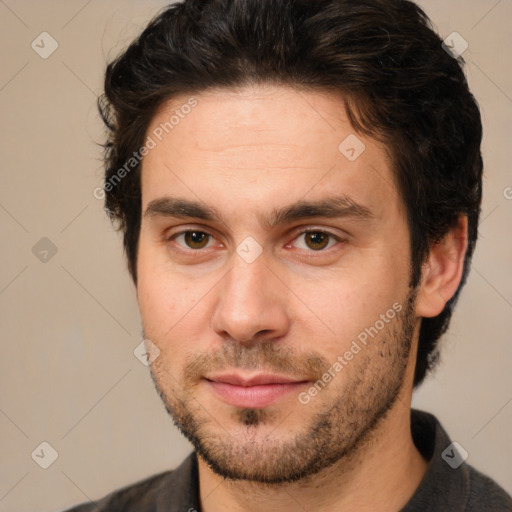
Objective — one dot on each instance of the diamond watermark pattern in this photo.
(44, 250)
(352, 147)
(44, 45)
(454, 455)
(249, 250)
(45, 455)
(146, 352)
(455, 45)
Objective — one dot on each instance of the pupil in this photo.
(318, 239)
(196, 238)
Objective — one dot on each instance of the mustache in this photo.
(268, 357)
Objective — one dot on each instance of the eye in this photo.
(193, 239)
(317, 240)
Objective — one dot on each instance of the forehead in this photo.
(258, 143)
(282, 119)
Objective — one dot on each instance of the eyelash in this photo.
(331, 235)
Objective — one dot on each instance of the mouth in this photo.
(254, 392)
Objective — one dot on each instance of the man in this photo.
(298, 184)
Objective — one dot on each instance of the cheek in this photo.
(156, 296)
(163, 303)
(174, 314)
(348, 302)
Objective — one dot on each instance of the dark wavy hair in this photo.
(383, 57)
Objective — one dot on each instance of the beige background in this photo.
(69, 326)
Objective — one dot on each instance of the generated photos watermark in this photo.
(356, 347)
(157, 135)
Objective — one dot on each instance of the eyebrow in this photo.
(330, 207)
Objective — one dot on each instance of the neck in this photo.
(382, 474)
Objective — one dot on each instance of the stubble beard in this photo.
(332, 433)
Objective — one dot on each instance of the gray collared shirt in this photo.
(448, 485)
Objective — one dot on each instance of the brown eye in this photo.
(316, 240)
(196, 239)
(192, 241)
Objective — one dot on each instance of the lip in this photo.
(255, 392)
(259, 379)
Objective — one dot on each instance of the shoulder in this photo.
(449, 482)
(141, 496)
(486, 494)
(169, 491)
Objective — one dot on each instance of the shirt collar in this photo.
(442, 487)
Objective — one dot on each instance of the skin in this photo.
(293, 310)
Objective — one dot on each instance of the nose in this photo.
(251, 303)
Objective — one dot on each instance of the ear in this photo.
(442, 272)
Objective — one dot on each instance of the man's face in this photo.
(253, 304)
